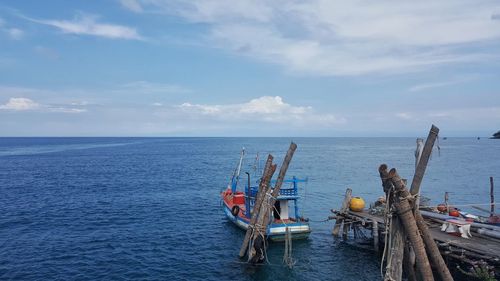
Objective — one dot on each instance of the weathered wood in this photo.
(258, 235)
(424, 159)
(269, 200)
(409, 263)
(340, 219)
(375, 236)
(405, 213)
(446, 198)
(492, 198)
(430, 246)
(283, 169)
(386, 182)
(264, 182)
(432, 249)
(476, 247)
(279, 182)
(394, 270)
(395, 262)
(418, 151)
(345, 229)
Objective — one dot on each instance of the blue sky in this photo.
(249, 68)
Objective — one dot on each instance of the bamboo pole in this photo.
(340, 219)
(269, 169)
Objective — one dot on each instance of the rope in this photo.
(388, 219)
(325, 220)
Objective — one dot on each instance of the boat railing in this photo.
(290, 188)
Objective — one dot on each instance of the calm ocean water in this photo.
(148, 208)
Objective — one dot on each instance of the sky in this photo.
(249, 68)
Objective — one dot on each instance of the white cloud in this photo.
(149, 87)
(20, 104)
(26, 104)
(132, 5)
(404, 115)
(15, 33)
(266, 108)
(12, 32)
(439, 84)
(88, 25)
(344, 37)
(66, 109)
(422, 87)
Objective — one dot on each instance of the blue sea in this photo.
(149, 208)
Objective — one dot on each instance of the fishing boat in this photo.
(238, 205)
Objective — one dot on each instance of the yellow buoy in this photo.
(357, 204)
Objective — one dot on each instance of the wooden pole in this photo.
(395, 271)
(430, 246)
(257, 243)
(398, 236)
(283, 169)
(424, 159)
(404, 211)
(264, 214)
(492, 198)
(409, 263)
(340, 219)
(279, 181)
(345, 229)
(432, 249)
(375, 236)
(269, 169)
(446, 198)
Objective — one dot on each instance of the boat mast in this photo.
(236, 175)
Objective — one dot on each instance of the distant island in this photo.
(496, 135)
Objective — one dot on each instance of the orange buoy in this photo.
(454, 213)
(357, 204)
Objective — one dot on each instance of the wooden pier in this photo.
(418, 244)
(454, 249)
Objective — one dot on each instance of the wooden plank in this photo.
(365, 216)
(474, 244)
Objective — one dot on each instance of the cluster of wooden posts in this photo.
(410, 246)
(254, 242)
